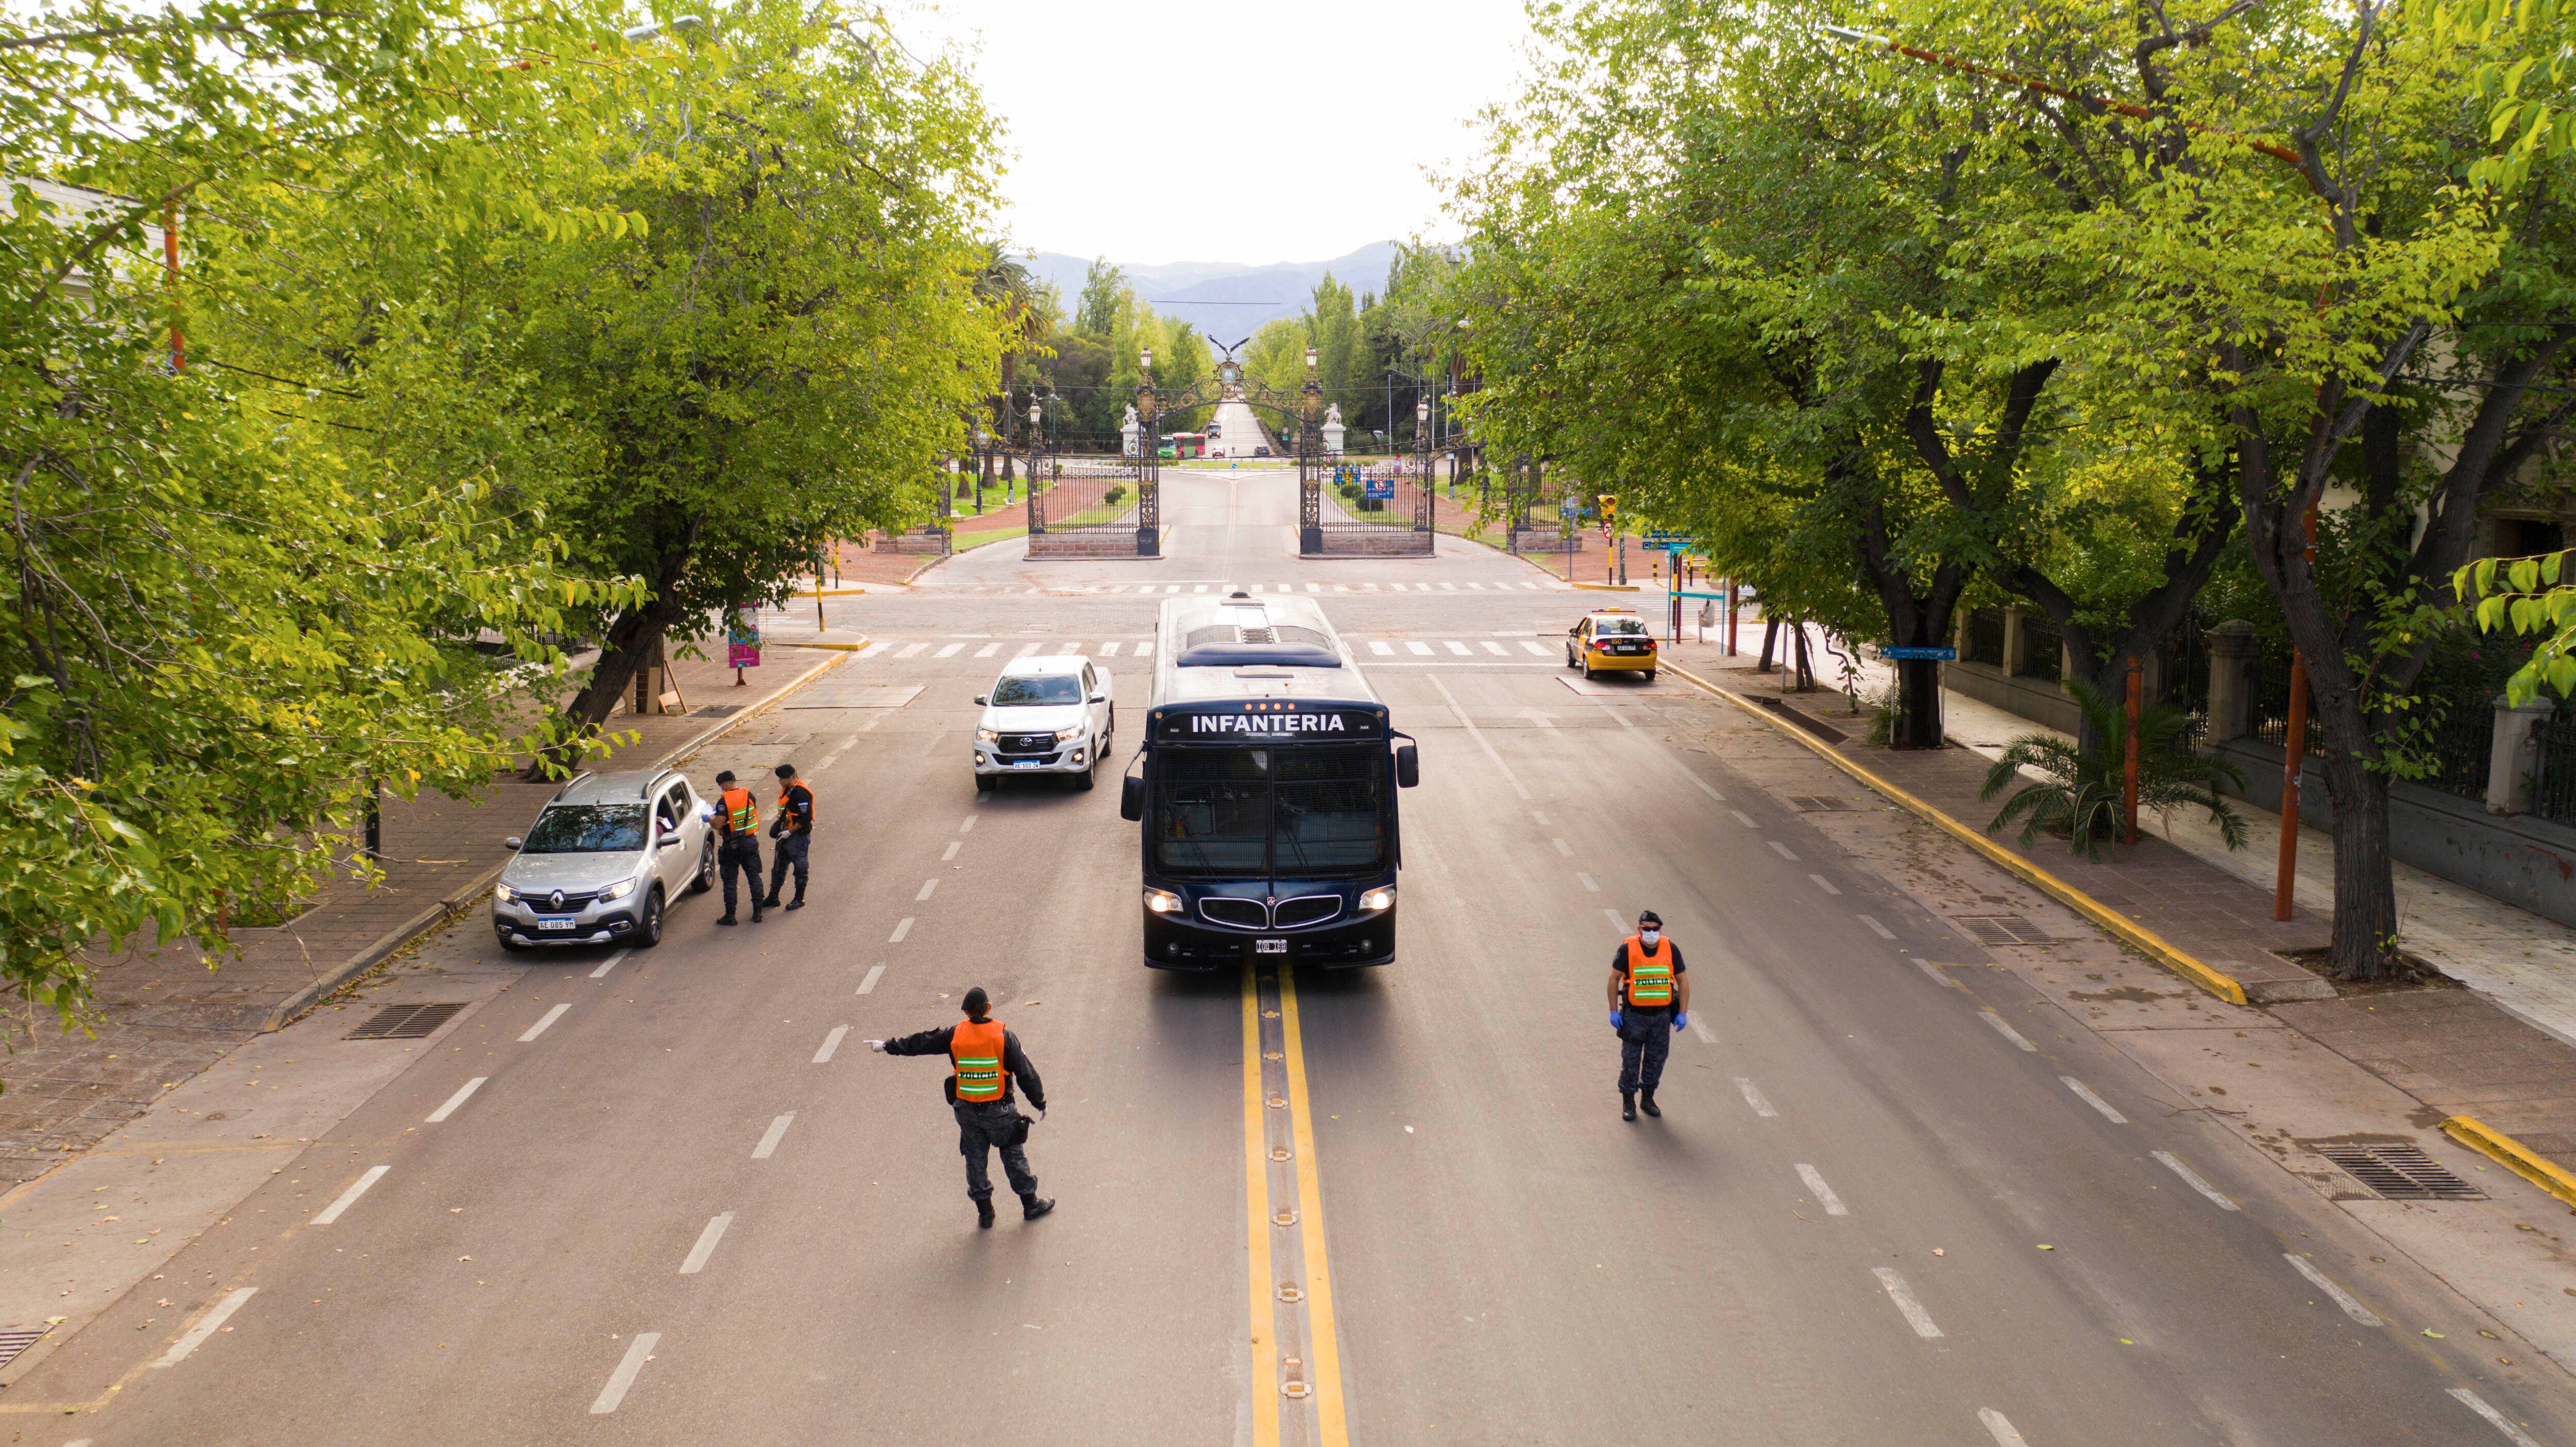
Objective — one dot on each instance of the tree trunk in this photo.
(631, 640)
(1918, 703)
(2365, 904)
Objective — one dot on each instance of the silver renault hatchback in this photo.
(605, 858)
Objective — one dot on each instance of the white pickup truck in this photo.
(1045, 715)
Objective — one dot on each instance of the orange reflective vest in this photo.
(788, 789)
(975, 1054)
(1650, 977)
(741, 813)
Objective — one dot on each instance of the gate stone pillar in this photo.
(2231, 682)
(2514, 762)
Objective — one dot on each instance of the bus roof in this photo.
(1220, 648)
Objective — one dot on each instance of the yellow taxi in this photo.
(1611, 639)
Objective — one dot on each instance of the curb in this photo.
(2127, 931)
(2518, 1158)
(458, 901)
(1603, 587)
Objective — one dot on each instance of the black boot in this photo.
(1646, 1103)
(984, 1214)
(798, 902)
(756, 907)
(1627, 1105)
(1032, 1208)
(729, 919)
(771, 902)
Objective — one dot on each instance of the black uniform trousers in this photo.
(979, 1129)
(740, 853)
(1645, 1038)
(791, 850)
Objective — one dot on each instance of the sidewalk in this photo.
(164, 1017)
(2496, 1045)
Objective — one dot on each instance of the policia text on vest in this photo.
(738, 824)
(983, 1060)
(1649, 999)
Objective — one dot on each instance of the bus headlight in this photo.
(1162, 901)
(1378, 899)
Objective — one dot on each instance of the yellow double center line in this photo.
(1296, 1357)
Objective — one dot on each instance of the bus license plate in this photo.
(1270, 947)
(563, 923)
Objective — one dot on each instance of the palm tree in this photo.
(2082, 793)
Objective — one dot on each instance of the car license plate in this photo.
(563, 922)
(1270, 947)
(1026, 763)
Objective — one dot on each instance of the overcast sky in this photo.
(1380, 87)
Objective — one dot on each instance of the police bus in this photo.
(1267, 791)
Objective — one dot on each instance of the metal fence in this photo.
(2043, 652)
(2553, 794)
(1353, 523)
(2461, 745)
(2270, 706)
(1986, 636)
(1087, 507)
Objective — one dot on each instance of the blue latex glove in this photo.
(1680, 1018)
(1614, 1019)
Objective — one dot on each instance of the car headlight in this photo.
(1063, 735)
(1377, 899)
(1162, 901)
(505, 894)
(987, 736)
(619, 890)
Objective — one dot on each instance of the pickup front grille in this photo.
(1028, 743)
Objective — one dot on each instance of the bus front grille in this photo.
(1235, 913)
(1304, 910)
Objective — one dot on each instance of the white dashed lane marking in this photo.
(875, 973)
(1823, 1193)
(2193, 1179)
(832, 1042)
(551, 1016)
(624, 1377)
(769, 1139)
(2000, 1428)
(2351, 1305)
(900, 931)
(2005, 1030)
(463, 1093)
(706, 1246)
(1903, 1295)
(206, 1326)
(1880, 930)
(2085, 1093)
(350, 1196)
(1754, 1097)
(2495, 1419)
(609, 964)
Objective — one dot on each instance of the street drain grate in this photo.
(2001, 929)
(12, 1343)
(1818, 804)
(2401, 1173)
(403, 1022)
(718, 710)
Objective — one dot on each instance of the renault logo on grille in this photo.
(559, 899)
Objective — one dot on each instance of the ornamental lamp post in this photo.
(1310, 481)
(1149, 520)
(983, 440)
(1037, 443)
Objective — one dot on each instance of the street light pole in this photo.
(1149, 522)
(1310, 486)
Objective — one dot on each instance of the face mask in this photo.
(1650, 935)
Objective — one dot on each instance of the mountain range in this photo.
(1225, 299)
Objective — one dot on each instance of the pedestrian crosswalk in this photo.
(1160, 589)
(897, 650)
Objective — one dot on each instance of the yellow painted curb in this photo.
(830, 593)
(834, 647)
(2128, 931)
(2518, 1158)
(1605, 587)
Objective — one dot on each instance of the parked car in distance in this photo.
(603, 861)
(1261, 452)
(1045, 715)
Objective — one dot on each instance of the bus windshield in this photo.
(1302, 812)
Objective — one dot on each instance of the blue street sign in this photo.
(1937, 655)
(1667, 542)
(1381, 487)
(1566, 507)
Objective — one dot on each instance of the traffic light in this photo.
(1609, 507)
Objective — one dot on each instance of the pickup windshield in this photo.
(1038, 688)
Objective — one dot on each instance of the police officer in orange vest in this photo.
(794, 831)
(983, 1060)
(738, 821)
(1649, 999)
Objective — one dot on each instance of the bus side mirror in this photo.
(1408, 767)
(1131, 798)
